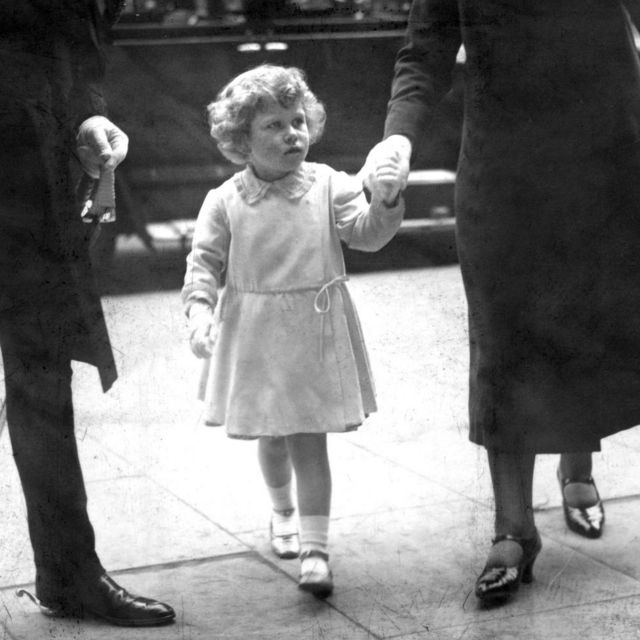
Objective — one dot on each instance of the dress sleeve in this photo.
(360, 225)
(208, 257)
(424, 66)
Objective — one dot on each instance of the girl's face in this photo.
(278, 141)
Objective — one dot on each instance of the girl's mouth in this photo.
(293, 150)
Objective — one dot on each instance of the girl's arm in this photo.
(424, 67)
(360, 225)
(208, 257)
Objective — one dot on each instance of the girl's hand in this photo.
(203, 333)
(386, 169)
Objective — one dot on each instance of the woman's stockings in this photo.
(512, 479)
(577, 467)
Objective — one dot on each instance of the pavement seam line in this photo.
(7, 635)
(417, 473)
(599, 561)
(160, 566)
(271, 564)
(200, 513)
(523, 614)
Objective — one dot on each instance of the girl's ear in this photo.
(234, 155)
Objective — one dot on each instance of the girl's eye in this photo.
(298, 122)
(273, 125)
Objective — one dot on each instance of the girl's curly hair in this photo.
(232, 112)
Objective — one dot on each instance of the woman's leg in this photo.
(511, 558)
(313, 477)
(512, 479)
(579, 493)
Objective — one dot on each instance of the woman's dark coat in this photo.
(50, 68)
(548, 209)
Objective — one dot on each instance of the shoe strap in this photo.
(564, 481)
(522, 541)
(507, 536)
(314, 553)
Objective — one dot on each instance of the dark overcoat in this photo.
(548, 209)
(51, 64)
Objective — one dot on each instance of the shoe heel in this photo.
(534, 546)
(527, 572)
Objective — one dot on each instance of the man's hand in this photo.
(386, 169)
(100, 145)
(203, 333)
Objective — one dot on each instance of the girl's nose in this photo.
(290, 136)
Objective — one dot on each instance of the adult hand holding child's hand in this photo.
(386, 169)
(203, 333)
(100, 145)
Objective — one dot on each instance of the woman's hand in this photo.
(203, 333)
(386, 169)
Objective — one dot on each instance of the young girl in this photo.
(286, 362)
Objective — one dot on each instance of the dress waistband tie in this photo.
(322, 306)
(322, 301)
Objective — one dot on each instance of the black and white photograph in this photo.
(320, 319)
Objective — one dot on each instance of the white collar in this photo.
(293, 186)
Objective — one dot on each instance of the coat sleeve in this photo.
(79, 31)
(360, 225)
(424, 66)
(86, 33)
(208, 257)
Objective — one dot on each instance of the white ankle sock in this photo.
(281, 497)
(314, 533)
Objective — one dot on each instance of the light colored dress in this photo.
(290, 356)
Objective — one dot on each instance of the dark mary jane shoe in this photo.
(103, 598)
(498, 583)
(585, 521)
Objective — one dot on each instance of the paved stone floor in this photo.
(180, 511)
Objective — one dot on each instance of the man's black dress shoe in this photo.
(105, 599)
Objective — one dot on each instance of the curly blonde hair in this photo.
(231, 113)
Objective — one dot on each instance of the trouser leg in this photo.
(41, 428)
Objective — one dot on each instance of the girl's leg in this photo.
(313, 476)
(579, 493)
(310, 460)
(275, 464)
(276, 470)
(512, 479)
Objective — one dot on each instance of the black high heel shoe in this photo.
(585, 521)
(498, 583)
